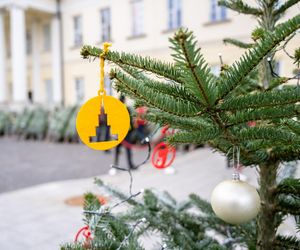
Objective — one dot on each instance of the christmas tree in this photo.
(216, 111)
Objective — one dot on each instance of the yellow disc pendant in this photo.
(103, 124)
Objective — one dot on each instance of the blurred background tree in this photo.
(216, 111)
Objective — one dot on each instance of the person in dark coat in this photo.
(128, 139)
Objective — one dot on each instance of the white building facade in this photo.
(40, 41)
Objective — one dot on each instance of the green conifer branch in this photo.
(240, 6)
(237, 43)
(293, 125)
(116, 193)
(167, 87)
(248, 85)
(285, 5)
(259, 144)
(119, 87)
(288, 204)
(157, 67)
(244, 233)
(276, 82)
(195, 73)
(266, 133)
(287, 242)
(289, 186)
(201, 204)
(285, 153)
(198, 137)
(262, 99)
(162, 118)
(164, 102)
(277, 112)
(241, 69)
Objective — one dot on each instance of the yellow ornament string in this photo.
(106, 46)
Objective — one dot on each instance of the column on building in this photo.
(56, 60)
(18, 53)
(3, 82)
(36, 62)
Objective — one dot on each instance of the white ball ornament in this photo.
(235, 201)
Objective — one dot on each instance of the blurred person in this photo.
(128, 139)
(140, 123)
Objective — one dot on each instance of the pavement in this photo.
(38, 218)
(27, 163)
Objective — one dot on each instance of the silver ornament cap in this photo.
(235, 201)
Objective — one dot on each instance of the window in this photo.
(49, 91)
(77, 22)
(174, 10)
(79, 89)
(137, 17)
(217, 13)
(105, 25)
(28, 42)
(46, 37)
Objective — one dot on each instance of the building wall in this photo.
(154, 42)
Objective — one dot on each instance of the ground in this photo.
(27, 163)
(38, 217)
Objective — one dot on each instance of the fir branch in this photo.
(241, 69)
(266, 133)
(247, 157)
(240, 6)
(285, 153)
(237, 43)
(157, 67)
(74, 246)
(285, 5)
(198, 137)
(167, 87)
(289, 186)
(248, 85)
(288, 205)
(259, 144)
(119, 87)
(116, 193)
(195, 74)
(184, 123)
(287, 242)
(174, 90)
(293, 125)
(257, 114)
(276, 82)
(261, 100)
(155, 98)
(243, 233)
(203, 205)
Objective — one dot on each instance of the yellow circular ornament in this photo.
(103, 121)
(102, 124)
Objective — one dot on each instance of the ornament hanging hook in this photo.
(102, 55)
(236, 163)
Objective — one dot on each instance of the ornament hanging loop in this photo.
(236, 163)
(102, 55)
(102, 93)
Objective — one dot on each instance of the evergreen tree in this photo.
(215, 110)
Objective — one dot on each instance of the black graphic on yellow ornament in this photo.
(103, 124)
